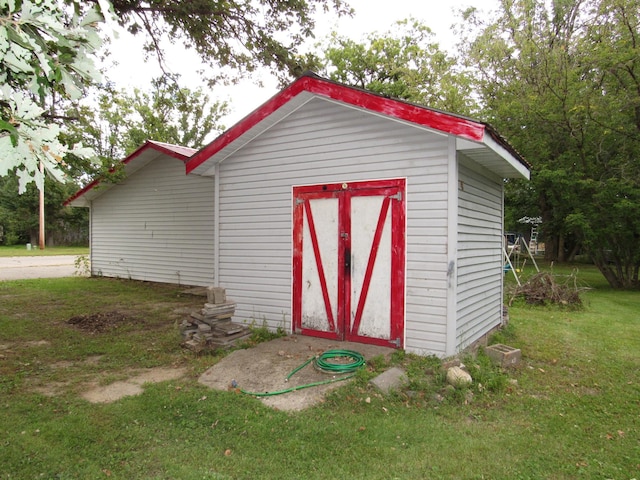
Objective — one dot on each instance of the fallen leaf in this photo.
(609, 436)
(620, 433)
(227, 452)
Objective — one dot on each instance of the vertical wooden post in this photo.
(41, 236)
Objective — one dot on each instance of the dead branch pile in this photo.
(545, 288)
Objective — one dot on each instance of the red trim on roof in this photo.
(175, 151)
(427, 117)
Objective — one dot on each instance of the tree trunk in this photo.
(574, 251)
(551, 248)
(561, 254)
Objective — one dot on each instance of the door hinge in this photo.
(396, 342)
(397, 196)
(299, 201)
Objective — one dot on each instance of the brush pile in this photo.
(545, 288)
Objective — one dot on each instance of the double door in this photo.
(349, 261)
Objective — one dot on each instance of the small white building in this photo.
(328, 211)
(155, 225)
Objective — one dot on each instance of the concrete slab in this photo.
(265, 367)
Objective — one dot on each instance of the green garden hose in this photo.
(324, 363)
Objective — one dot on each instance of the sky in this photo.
(370, 16)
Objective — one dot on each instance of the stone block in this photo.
(215, 310)
(504, 355)
(216, 295)
(392, 379)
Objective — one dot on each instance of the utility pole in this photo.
(41, 236)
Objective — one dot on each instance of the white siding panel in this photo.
(157, 225)
(479, 302)
(324, 142)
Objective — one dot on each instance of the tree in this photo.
(560, 79)
(19, 213)
(402, 63)
(121, 123)
(124, 120)
(45, 51)
(239, 35)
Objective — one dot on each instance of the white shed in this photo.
(339, 213)
(155, 225)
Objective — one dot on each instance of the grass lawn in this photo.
(570, 410)
(21, 251)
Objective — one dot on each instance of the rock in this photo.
(392, 379)
(458, 377)
(468, 397)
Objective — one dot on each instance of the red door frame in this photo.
(341, 328)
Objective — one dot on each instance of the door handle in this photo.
(347, 260)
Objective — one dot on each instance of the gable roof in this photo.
(478, 140)
(149, 151)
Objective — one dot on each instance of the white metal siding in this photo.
(157, 225)
(479, 292)
(324, 142)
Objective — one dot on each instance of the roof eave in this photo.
(516, 162)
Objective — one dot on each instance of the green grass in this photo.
(21, 251)
(569, 410)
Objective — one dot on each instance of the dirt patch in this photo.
(38, 343)
(101, 322)
(132, 386)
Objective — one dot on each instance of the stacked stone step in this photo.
(211, 327)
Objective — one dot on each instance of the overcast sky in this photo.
(370, 16)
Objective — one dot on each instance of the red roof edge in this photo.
(174, 151)
(312, 83)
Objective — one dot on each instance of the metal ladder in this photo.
(533, 241)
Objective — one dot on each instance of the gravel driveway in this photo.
(54, 266)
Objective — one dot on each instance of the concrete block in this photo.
(216, 295)
(504, 355)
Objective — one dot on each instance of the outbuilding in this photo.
(154, 225)
(328, 211)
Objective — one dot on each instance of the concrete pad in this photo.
(264, 368)
(392, 379)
